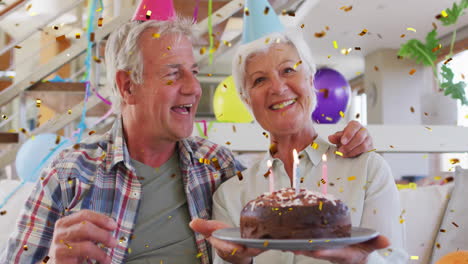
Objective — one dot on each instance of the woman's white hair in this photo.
(123, 52)
(291, 36)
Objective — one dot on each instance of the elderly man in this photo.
(129, 195)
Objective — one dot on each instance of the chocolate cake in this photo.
(283, 214)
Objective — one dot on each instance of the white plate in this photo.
(358, 235)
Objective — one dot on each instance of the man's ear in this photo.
(126, 87)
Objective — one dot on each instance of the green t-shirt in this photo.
(162, 233)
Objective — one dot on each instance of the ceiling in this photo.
(384, 20)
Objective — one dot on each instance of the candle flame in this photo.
(295, 156)
(269, 163)
(324, 157)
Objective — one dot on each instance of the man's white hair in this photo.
(290, 36)
(123, 52)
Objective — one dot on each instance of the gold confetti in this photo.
(342, 114)
(148, 14)
(357, 48)
(202, 50)
(411, 29)
(60, 38)
(391, 146)
(463, 76)
(346, 51)
(414, 257)
(402, 35)
(45, 260)
(328, 118)
(77, 35)
(412, 109)
(320, 34)
(454, 161)
(169, 48)
(437, 245)
(76, 146)
(412, 71)
(57, 140)
(246, 11)
(302, 25)
(455, 224)
(227, 43)
(444, 13)
(234, 129)
(347, 8)
(339, 153)
(38, 102)
(170, 82)
(363, 32)
(69, 111)
(239, 175)
(314, 145)
(265, 134)
(100, 20)
(310, 241)
(358, 115)
(320, 205)
(428, 128)
(265, 244)
(437, 48)
(3, 212)
(402, 220)
(335, 44)
(266, 10)
(351, 178)
(267, 40)
(4, 117)
(99, 9)
(216, 163)
(372, 150)
(96, 59)
(447, 61)
(442, 230)
(233, 252)
(376, 68)
(297, 64)
(25, 247)
(199, 255)
(28, 7)
(17, 47)
(437, 178)
(426, 114)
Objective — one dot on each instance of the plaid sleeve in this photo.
(33, 233)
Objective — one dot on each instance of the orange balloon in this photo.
(458, 257)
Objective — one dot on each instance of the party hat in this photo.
(154, 10)
(260, 20)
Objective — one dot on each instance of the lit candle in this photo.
(271, 177)
(324, 174)
(295, 171)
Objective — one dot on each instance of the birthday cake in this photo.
(284, 214)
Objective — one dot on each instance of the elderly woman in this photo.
(275, 77)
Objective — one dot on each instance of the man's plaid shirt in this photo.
(99, 176)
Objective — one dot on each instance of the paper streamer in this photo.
(203, 133)
(210, 31)
(195, 12)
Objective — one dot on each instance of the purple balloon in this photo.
(333, 93)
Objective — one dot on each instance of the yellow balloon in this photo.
(227, 105)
